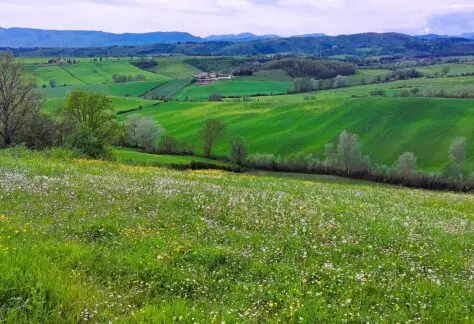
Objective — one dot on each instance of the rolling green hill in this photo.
(168, 90)
(95, 241)
(91, 73)
(290, 124)
(453, 68)
(174, 67)
(130, 89)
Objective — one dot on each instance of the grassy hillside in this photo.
(268, 75)
(130, 89)
(169, 89)
(89, 73)
(454, 68)
(125, 155)
(366, 75)
(235, 88)
(119, 103)
(44, 74)
(174, 67)
(93, 241)
(290, 124)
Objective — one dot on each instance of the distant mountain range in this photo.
(356, 45)
(28, 38)
(25, 37)
(468, 35)
(436, 36)
(244, 37)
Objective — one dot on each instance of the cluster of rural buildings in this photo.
(209, 77)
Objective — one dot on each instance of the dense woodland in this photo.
(361, 45)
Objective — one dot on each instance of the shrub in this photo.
(261, 161)
(406, 165)
(378, 93)
(215, 97)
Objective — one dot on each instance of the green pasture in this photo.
(168, 90)
(125, 155)
(174, 67)
(90, 241)
(236, 87)
(129, 89)
(387, 126)
(119, 103)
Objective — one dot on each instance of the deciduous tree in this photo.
(92, 116)
(349, 150)
(18, 101)
(213, 130)
(238, 150)
(406, 164)
(457, 152)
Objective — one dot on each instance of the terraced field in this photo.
(90, 241)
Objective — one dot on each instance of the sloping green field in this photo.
(268, 75)
(119, 103)
(169, 89)
(125, 155)
(130, 89)
(44, 74)
(88, 241)
(235, 88)
(289, 124)
(174, 67)
(457, 68)
(89, 73)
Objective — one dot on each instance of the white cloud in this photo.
(204, 17)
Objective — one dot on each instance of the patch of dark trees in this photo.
(145, 64)
(117, 78)
(316, 69)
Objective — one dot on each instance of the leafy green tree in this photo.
(406, 165)
(238, 150)
(92, 116)
(339, 81)
(41, 131)
(18, 101)
(168, 144)
(331, 156)
(349, 151)
(445, 71)
(213, 130)
(148, 133)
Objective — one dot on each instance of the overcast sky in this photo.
(205, 17)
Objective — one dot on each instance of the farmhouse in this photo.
(209, 77)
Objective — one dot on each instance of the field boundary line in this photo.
(75, 77)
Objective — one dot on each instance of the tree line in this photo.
(316, 69)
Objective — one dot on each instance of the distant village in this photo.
(204, 78)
